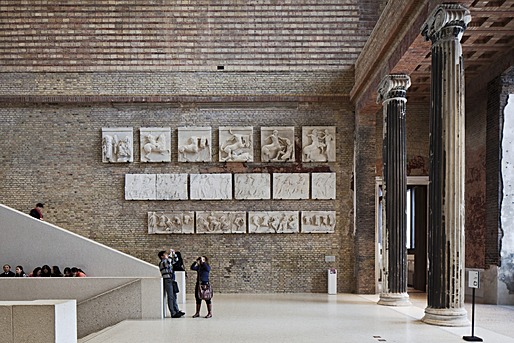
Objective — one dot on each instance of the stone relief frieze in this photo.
(318, 144)
(194, 144)
(155, 144)
(273, 222)
(220, 222)
(171, 222)
(323, 185)
(236, 144)
(171, 187)
(140, 187)
(277, 144)
(318, 221)
(210, 186)
(252, 186)
(291, 186)
(117, 145)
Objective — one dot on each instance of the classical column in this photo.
(444, 28)
(391, 92)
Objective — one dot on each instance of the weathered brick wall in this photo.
(52, 153)
(93, 35)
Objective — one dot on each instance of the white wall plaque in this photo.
(220, 222)
(273, 222)
(194, 144)
(155, 144)
(210, 186)
(318, 221)
(277, 144)
(291, 186)
(140, 187)
(171, 222)
(236, 144)
(323, 185)
(318, 144)
(171, 187)
(117, 145)
(253, 186)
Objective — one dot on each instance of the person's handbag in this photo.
(174, 284)
(205, 292)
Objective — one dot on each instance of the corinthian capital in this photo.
(445, 15)
(393, 86)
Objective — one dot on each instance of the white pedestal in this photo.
(180, 277)
(332, 281)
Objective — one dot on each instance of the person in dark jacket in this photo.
(37, 212)
(7, 271)
(202, 267)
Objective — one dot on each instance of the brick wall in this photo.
(52, 153)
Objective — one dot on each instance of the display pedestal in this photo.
(332, 281)
(180, 277)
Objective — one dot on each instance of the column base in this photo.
(446, 317)
(394, 299)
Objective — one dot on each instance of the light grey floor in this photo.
(309, 318)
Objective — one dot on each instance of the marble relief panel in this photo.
(117, 145)
(220, 222)
(273, 222)
(171, 222)
(318, 221)
(291, 186)
(155, 144)
(236, 144)
(318, 144)
(171, 187)
(323, 185)
(252, 186)
(210, 186)
(194, 144)
(140, 187)
(277, 144)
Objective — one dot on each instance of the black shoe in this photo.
(177, 315)
(182, 313)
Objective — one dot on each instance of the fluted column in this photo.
(391, 92)
(444, 28)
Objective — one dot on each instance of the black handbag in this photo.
(174, 284)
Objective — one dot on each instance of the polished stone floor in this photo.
(309, 318)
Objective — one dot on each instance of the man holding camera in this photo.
(168, 277)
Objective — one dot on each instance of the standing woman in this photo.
(201, 265)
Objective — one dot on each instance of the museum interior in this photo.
(360, 148)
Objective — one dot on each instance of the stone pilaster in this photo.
(391, 92)
(444, 28)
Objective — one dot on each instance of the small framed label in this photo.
(474, 279)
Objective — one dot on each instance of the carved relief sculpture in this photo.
(194, 144)
(291, 186)
(155, 144)
(236, 144)
(252, 186)
(220, 222)
(318, 221)
(323, 185)
(211, 186)
(140, 187)
(170, 222)
(277, 144)
(171, 187)
(273, 222)
(117, 145)
(318, 144)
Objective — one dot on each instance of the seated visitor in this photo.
(37, 211)
(7, 271)
(46, 271)
(19, 272)
(67, 272)
(36, 272)
(77, 272)
(56, 272)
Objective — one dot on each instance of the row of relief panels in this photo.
(235, 144)
(227, 186)
(241, 222)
